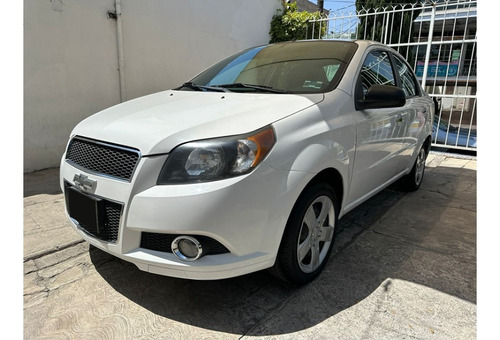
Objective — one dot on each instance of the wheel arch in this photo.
(332, 177)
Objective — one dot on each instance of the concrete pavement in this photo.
(403, 267)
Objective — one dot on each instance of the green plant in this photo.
(290, 24)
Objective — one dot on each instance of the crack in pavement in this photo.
(52, 250)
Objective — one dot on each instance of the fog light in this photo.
(187, 248)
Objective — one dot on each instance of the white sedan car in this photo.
(250, 164)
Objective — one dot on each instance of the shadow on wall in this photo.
(419, 239)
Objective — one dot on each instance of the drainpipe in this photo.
(119, 38)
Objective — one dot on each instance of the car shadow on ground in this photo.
(426, 237)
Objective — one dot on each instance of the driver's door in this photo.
(380, 132)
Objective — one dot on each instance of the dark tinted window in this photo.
(296, 67)
(408, 83)
(377, 69)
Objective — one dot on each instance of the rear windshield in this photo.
(294, 67)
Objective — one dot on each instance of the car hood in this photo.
(159, 122)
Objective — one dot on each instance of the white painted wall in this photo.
(168, 42)
(70, 71)
(71, 56)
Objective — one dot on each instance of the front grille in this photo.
(163, 242)
(103, 158)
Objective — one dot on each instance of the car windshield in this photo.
(293, 67)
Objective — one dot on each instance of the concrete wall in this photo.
(71, 56)
(182, 40)
(70, 71)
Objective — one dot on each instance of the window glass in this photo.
(407, 80)
(293, 67)
(331, 70)
(376, 70)
(232, 70)
(306, 75)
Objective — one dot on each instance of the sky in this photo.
(339, 5)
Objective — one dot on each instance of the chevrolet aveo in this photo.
(250, 164)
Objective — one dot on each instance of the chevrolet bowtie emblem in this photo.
(84, 183)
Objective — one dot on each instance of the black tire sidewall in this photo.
(287, 256)
(410, 183)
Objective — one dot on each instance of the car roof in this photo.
(356, 41)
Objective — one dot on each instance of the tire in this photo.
(413, 180)
(309, 235)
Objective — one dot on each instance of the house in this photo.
(305, 5)
(452, 67)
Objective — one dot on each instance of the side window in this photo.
(376, 70)
(408, 84)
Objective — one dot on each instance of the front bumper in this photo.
(246, 214)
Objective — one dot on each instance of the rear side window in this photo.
(408, 82)
(377, 70)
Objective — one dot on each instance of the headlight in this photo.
(215, 159)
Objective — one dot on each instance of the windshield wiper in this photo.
(202, 87)
(262, 88)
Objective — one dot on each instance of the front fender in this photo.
(316, 158)
(311, 149)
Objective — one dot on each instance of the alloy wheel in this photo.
(420, 166)
(316, 234)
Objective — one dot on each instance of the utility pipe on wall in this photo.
(119, 38)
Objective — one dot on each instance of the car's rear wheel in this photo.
(309, 234)
(413, 180)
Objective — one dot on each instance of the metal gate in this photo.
(439, 40)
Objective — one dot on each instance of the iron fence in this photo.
(439, 40)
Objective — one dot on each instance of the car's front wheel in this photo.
(309, 234)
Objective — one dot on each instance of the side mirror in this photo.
(382, 96)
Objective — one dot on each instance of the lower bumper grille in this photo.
(112, 213)
(163, 242)
(104, 220)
